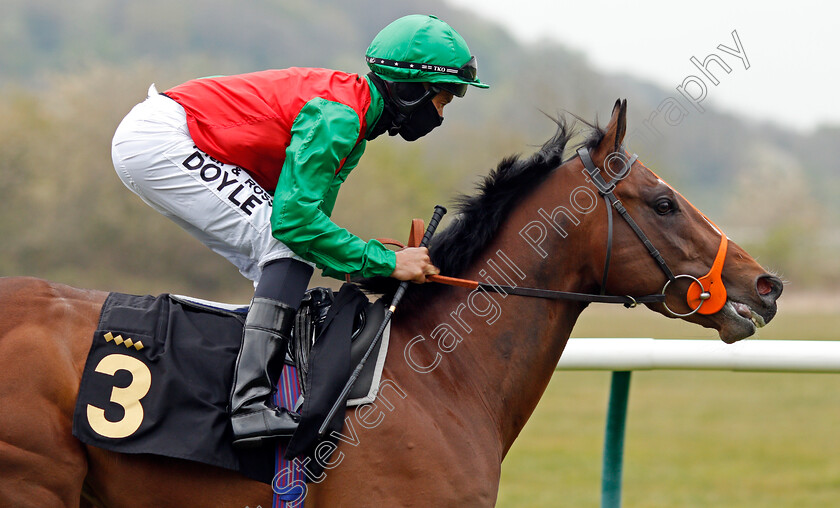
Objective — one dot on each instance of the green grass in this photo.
(694, 439)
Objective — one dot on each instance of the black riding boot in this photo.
(255, 419)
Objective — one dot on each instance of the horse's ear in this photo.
(615, 131)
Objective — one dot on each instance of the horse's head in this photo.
(708, 279)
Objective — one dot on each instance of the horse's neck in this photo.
(502, 350)
(510, 354)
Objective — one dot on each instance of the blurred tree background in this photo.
(69, 72)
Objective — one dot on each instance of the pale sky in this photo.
(791, 47)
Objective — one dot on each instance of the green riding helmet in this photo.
(423, 49)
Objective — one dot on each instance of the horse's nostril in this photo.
(764, 287)
(769, 286)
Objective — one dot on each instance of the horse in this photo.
(465, 368)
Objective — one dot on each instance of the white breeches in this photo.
(220, 204)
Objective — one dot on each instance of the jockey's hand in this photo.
(413, 264)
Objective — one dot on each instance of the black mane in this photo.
(479, 216)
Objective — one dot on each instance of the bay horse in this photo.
(465, 369)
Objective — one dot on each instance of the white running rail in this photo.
(679, 354)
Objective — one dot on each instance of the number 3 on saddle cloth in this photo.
(158, 376)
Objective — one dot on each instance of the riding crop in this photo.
(430, 230)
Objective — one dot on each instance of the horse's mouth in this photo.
(746, 312)
(739, 321)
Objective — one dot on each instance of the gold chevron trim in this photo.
(126, 342)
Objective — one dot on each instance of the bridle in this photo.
(707, 292)
(698, 294)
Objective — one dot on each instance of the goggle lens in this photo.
(469, 70)
(456, 89)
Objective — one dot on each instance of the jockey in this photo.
(251, 165)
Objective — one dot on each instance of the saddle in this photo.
(310, 323)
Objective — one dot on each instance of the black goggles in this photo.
(456, 89)
(466, 72)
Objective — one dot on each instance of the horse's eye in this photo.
(664, 206)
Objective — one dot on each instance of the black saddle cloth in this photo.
(158, 376)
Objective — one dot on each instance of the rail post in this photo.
(614, 440)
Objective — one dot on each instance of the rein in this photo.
(627, 301)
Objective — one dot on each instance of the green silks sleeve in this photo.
(323, 134)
